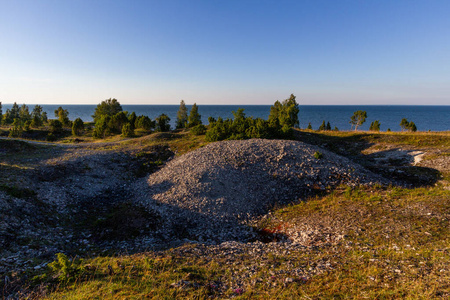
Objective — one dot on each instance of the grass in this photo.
(395, 246)
(381, 242)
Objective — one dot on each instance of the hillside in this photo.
(254, 218)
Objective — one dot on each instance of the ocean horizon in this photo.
(426, 117)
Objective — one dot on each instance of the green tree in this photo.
(117, 121)
(404, 124)
(102, 129)
(375, 126)
(144, 122)
(182, 116)
(322, 126)
(24, 113)
(127, 130)
(108, 107)
(194, 117)
(328, 126)
(162, 123)
(283, 117)
(56, 126)
(17, 129)
(36, 117)
(412, 127)
(44, 117)
(132, 119)
(358, 118)
(63, 116)
(309, 126)
(11, 114)
(77, 127)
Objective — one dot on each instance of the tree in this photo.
(194, 117)
(375, 126)
(404, 124)
(36, 117)
(358, 118)
(17, 129)
(309, 126)
(117, 121)
(328, 126)
(55, 126)
(322, 126)
(182, 116)
(63, 116)
(101, 129)
(44, 117)
(108, 107)
(24, 113)
(283, 116)
(132, 119)
(162, 123)
(144, 122)
(77, 127)
(127, 130)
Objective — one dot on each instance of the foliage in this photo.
(335, 128)
(162, 123)
(127, 130)
(132, 120)
(37, 119)
(375, 126)
(77, 127)
(328, 126)
(64, 269)
(144, 122)
(55, 126)
(322, 126)
(63, 116)
(194, 117)
(24, 113)
(17, 129)
(182, 116)
(198, 130)
(117, 122)
(108, 107)
(358, 118)
(283, 117)
(309, 126)
(318, 155)
(11, 114)
(410, 126)
(102, 129)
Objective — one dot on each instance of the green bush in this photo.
(64, 269)
(198, 130)
(318, 155)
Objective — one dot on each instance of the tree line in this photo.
(110, 119)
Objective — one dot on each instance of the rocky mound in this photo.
(237, 180)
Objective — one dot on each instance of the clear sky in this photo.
(225, 52)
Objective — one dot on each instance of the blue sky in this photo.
(225, 52)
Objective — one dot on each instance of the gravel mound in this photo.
(235, 181)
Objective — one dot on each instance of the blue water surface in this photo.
(434, 118)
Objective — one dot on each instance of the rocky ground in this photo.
(110, 198)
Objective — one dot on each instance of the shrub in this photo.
(198, 130)
(77, 127)
(318, 155)
(127, 130)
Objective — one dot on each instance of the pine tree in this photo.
(358, 118)
(194, 117)
(309, 126)
(182, 116)
(328, 126)
(322, 126)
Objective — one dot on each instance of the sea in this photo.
(426, 118)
